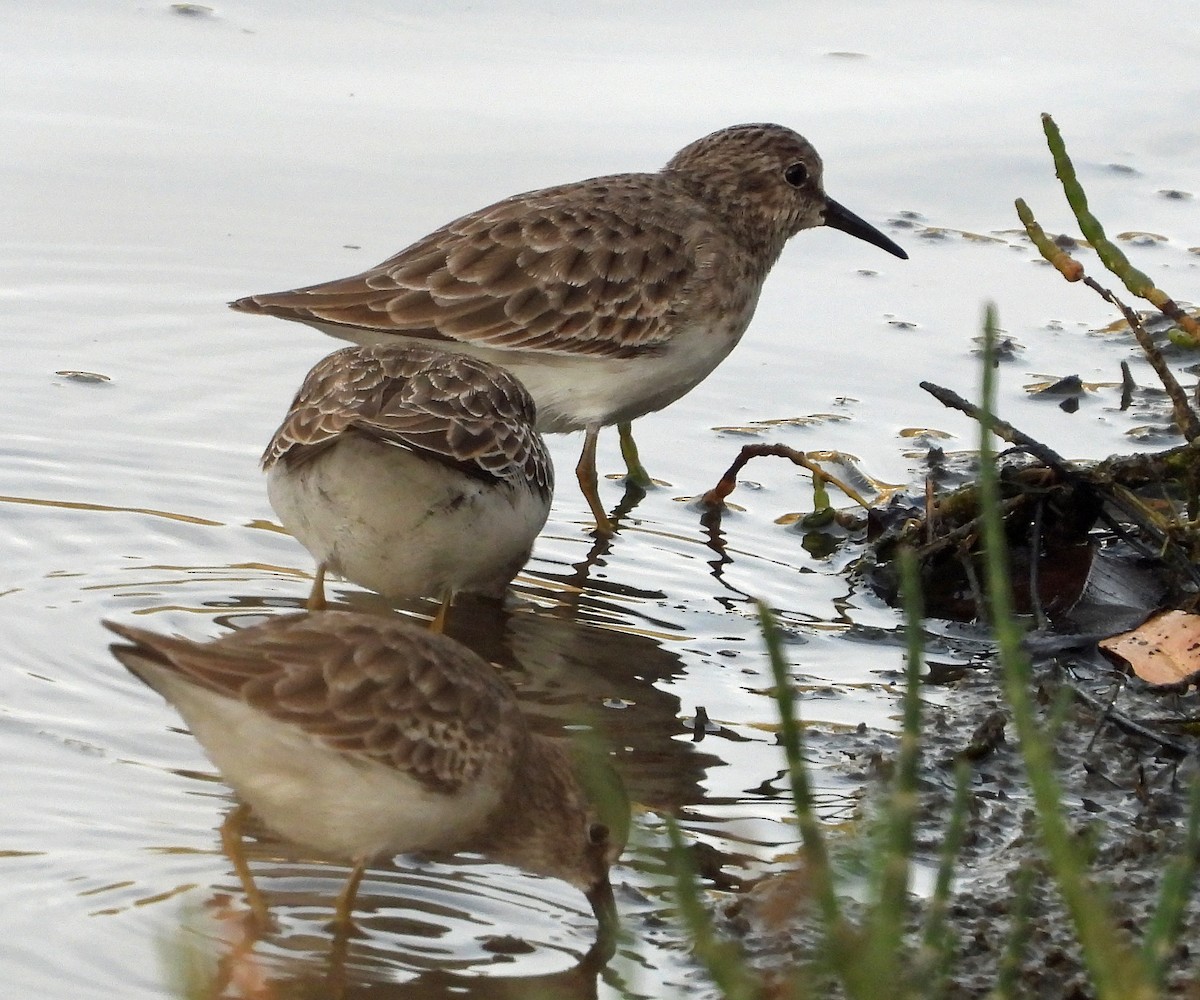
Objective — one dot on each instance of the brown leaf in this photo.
(777, 901)
(1165, 650)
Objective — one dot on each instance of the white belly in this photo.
(574, 390)
(403, 525)
(341, 805)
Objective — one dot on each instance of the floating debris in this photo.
(906, 220)
(1068, 385)
(1142, 239)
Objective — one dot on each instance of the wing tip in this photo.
(247, 304)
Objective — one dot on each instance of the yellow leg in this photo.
(231, 841)
(343, 913)
(585, 472)
(439, 620)
(316, 597)
(635, 472)
(335, 980)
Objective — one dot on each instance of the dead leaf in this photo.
(777, 901)
(1165, 650)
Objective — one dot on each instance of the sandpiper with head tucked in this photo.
(362, 737)
(608, 298)
(412, 472)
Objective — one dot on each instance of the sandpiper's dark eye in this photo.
(796, 174)
(597, 833)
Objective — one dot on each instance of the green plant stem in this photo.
(1177, 883)
(723, 961)
(1009, 972)
(885, 943)
(1110, 254)
(1072, 270)
(1116, 970)
(792, 740)
(939, 941)
(1063, 262)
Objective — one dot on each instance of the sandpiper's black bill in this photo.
(837, 217)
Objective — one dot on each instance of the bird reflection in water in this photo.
(363, 737)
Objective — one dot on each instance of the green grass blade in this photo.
(1178, 880)
(1019, 930)
(895, 848)
(1116, 970)
(939, 940)
(722, 959)
(791, 737)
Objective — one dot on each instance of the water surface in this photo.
(158, 164)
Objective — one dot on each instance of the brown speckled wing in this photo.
(455, 408)
(597, 267)
(385, 690)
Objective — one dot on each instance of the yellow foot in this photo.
(231, 841)
(585, 472)
(635, 472)
(343, 913)
(316, 597)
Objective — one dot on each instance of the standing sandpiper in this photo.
(362, 737)
(412, 472)
(608, 298)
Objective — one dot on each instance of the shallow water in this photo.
(158, 164)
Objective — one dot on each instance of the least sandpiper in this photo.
(362, 737)
(412, 472)
(609, 298)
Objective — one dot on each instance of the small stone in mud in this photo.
(988, 735)
(506, 944)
